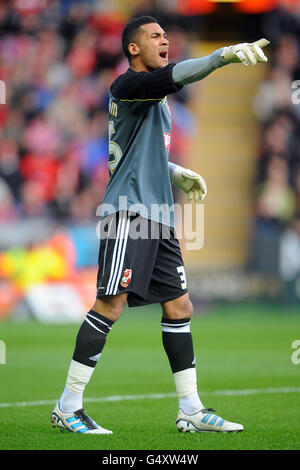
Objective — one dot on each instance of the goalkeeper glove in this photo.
(190, 182)
(245, 53)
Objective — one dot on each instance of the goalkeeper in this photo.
(148, 269)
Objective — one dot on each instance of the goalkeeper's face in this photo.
(151, 47)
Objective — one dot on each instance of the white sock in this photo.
(70, 401)
(186, 388)
(78, 377)
(191, 404)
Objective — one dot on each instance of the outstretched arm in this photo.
(193, 70)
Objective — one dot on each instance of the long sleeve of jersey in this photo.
(193, 70)
(145, 85)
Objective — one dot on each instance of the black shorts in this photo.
(141, 257)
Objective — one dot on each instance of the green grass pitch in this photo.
(245, 372)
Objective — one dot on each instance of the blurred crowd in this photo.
(58, 59)
(53, 129)
(276, 104)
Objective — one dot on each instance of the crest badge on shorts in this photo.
(126, 277)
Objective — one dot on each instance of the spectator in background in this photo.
(279, 137)
(274, 208)
(58, 69)
(273, 94)
(289, 262)
(33, 200)
(54, 91)
(7, 207)
(277, 186)
(9, 166)
(283, 20)
(275, 199)
(297, 191)
(58, 59)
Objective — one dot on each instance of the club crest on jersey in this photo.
(167, 138)
(126, 277)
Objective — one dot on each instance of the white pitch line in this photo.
(157, 396)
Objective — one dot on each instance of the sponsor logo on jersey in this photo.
(126, 277)
(113, 108)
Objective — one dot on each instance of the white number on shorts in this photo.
(181, 271)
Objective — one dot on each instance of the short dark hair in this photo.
(130, 30)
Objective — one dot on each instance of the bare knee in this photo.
(181, 307)
(110, 306)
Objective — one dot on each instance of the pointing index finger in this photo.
(262, 42)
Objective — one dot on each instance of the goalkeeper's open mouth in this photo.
(164, 54)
